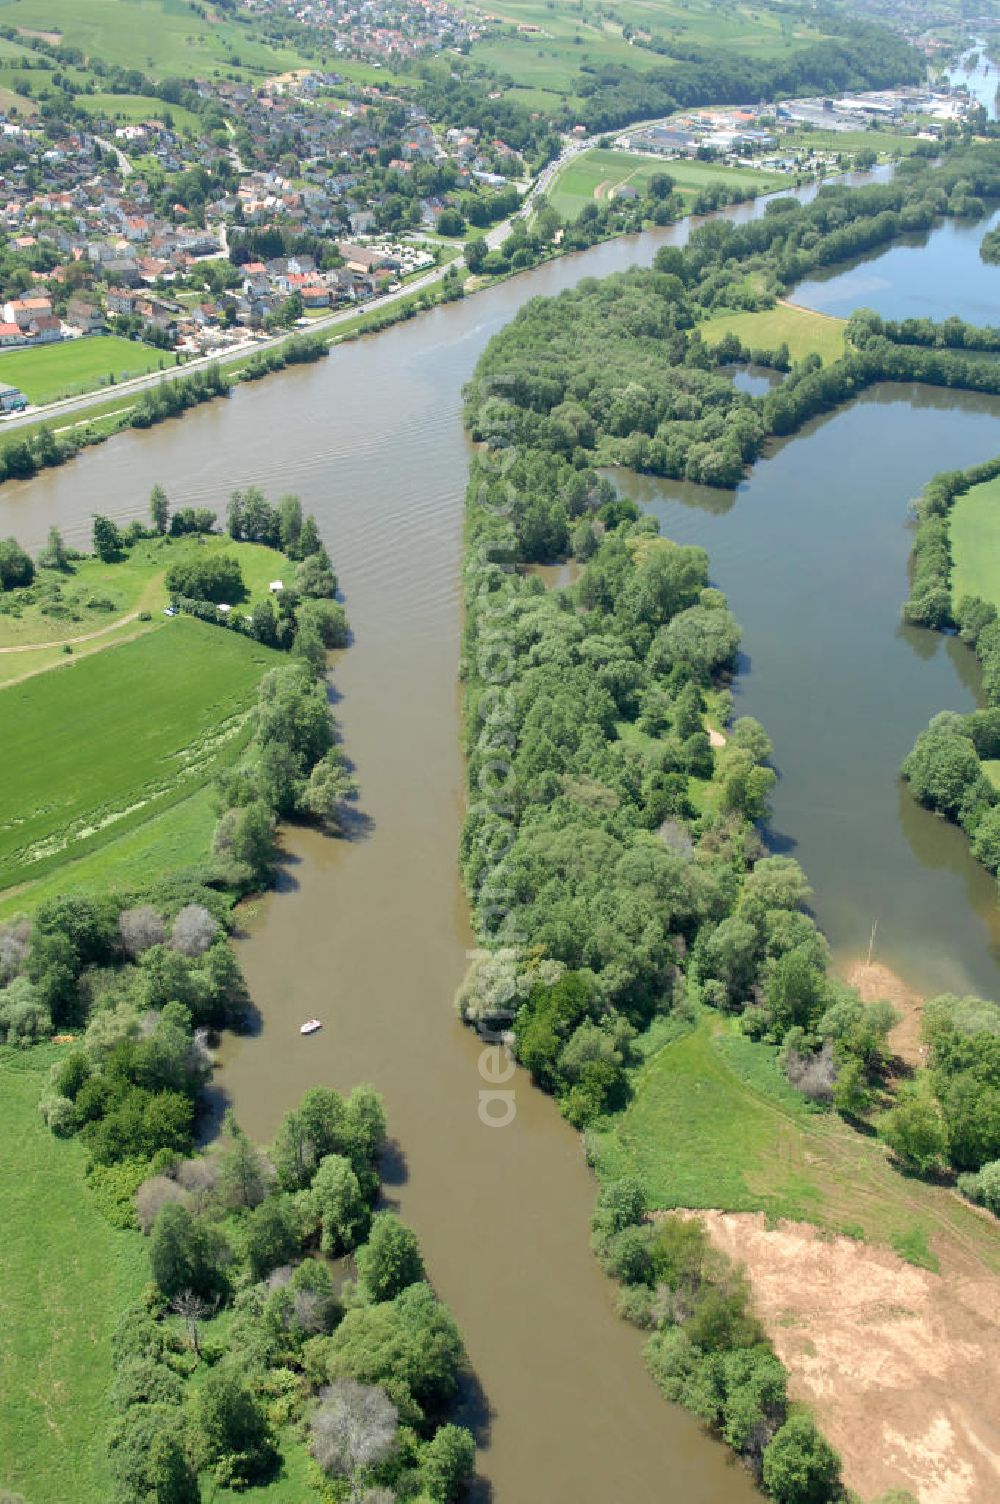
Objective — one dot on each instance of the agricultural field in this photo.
(804, 332)
(591, 175)
(78, 365)
(714, 1123)
(554, 42)
(65, 1275)
(175, 701)
(160, 37)
(974, 528)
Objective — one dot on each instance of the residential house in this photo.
(86, 317)
(45, 330)
(10, 334)
(121, 301)
(22, 311)
(315, 295)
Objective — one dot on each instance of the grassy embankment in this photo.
(804, 332)
(591, 175)
(65, 1274)
(714, 1124)
(50, 372)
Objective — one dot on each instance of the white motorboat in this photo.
(311, 1026)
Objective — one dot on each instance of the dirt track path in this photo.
(60, 642)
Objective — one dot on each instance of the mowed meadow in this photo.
(107, 743)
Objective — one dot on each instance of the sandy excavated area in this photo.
(900, 1366)
(876, 983)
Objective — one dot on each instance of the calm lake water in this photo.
(371, 934)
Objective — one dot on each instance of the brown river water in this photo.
(371, 933)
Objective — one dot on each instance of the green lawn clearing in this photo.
(804, 332)
(591, 175)
(713, 1123)
(113, 740)
(78, 365)
(65, 1275)
(90, 597)
(974, 528)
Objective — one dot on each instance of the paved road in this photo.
(494, 238)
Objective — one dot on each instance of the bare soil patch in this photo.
(899, 1365)
(715, 738)
(601, 191)
(876, 983)
(52, 37)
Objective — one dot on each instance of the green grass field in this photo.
(714, 1124)
(78, 365)
(591, 174)
(974, 527)
(804, 332)
(160, 37)
(110, 742)
(65, 1274)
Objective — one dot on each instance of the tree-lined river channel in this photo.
(371, 933)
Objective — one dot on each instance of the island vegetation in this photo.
(628, 915)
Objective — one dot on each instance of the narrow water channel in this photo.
(371, 934)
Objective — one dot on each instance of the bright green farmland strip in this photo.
(178, 837)
(65, 1275)
(78, 365)
(104, 744)
(975, 543)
